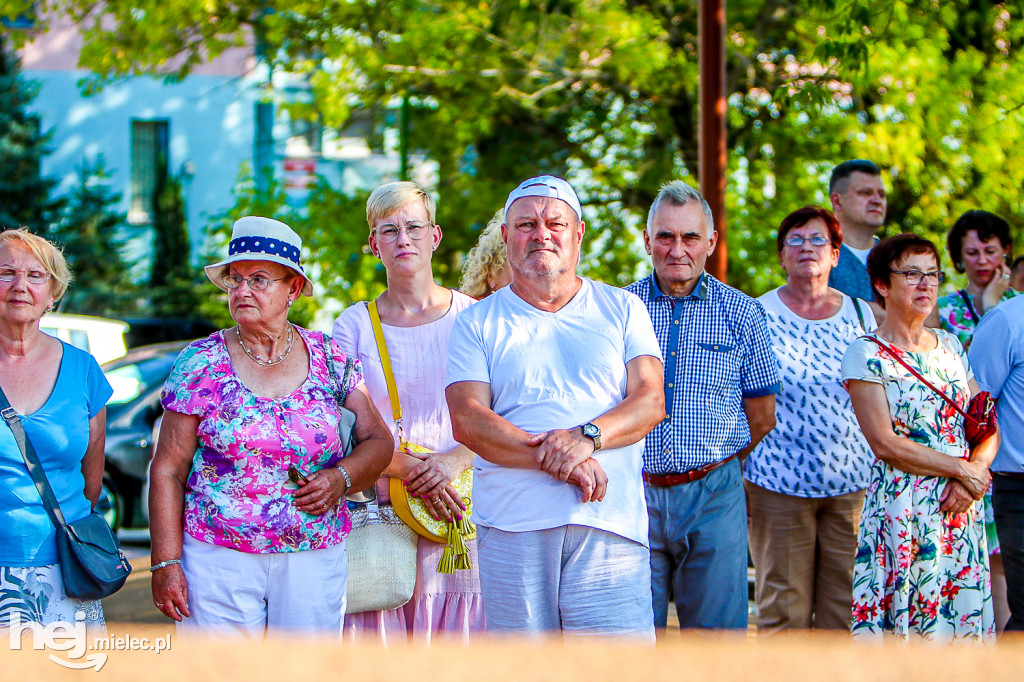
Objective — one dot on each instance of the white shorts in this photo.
(234, 592)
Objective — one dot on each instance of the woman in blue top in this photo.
(61, 395)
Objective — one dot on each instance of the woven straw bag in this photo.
(381, 559)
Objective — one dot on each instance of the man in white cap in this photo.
(554, 381)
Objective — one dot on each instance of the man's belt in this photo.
(670, 480)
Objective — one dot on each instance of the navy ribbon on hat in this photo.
(273, 247)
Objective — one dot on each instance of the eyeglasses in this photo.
(31, 276)
(798, 241)
(388, 233)
(914, 277)
(257, 283)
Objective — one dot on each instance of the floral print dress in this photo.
(919, 571)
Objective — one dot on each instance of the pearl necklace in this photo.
(259, 359)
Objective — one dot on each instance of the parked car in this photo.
(97, 335)
(137, 379)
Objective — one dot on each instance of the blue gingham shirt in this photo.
(717, 352)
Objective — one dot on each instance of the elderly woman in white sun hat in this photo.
(247, 498)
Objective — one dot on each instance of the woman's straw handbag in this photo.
(381, 559)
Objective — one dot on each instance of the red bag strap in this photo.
(924, 381)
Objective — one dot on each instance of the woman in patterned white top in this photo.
(805, 481)
(921, 568)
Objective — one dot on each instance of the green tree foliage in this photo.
(89, 232)
(24, 193)
(173, 280)
(606, 94)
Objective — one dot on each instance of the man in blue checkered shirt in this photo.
(721, 378)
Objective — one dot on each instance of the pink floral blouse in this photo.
(238, 494)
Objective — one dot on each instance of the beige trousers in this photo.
(803, 550)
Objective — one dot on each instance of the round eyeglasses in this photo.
(914, 277)
(797, 241)
(31, 276)
(256, 283)
(388, 233)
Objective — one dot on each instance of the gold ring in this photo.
(323, 505)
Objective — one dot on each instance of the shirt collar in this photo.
(700, 291)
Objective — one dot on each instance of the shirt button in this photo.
(668, 450)
(675, 322)
(667, 417)
(671, 385)
(672, 353)
(714, 347)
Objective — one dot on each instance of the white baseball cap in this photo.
(546, 186)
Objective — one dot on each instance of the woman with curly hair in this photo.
(486, 267)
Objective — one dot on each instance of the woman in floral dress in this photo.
(979, 244)
(922, 559)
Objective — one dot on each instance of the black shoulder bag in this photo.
(92, 564)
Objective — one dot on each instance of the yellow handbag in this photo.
(452, 534)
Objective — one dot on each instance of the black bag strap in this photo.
(970, 307)
(35, 469)
(860, 313)
(339, 389)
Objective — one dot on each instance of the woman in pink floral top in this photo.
(248, 485)
(921, 567)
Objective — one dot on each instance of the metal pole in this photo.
(403, 137)
(263, 142)
(711, 24)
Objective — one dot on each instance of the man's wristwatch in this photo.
(591, 431)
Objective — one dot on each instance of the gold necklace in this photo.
(259, 359)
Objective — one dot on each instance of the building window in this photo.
(149, 142)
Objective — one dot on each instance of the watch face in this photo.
(590, 430)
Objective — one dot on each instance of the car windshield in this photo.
(131, 380)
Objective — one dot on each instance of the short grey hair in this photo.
(678, 193)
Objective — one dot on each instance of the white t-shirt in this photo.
(555, 371)
(861, 254)
(816, 448)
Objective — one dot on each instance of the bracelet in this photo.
(164, 564)
(344, 474)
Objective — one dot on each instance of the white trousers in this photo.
(578, 580)
(232, 592)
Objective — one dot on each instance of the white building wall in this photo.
(211, 121)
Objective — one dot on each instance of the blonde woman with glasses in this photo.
(416, 317)
(60, 396)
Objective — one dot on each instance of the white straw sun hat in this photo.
(263, 239)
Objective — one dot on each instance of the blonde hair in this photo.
(486, 258)
(394, 196)
(46, 253)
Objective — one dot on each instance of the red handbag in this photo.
(980, 417)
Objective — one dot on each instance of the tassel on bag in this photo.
(456, 554)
